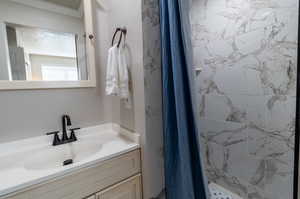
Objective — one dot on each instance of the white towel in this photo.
(123, 74)
(112, 72)
(117, 78)
(124, 91)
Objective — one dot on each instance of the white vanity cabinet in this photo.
(128, 189)
(115, 178)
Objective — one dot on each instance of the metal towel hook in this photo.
(122, 31)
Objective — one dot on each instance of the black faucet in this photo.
(66, 121)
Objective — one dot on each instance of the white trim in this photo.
(28, 85)
(90, 47)
(90, 43)
(50, 7)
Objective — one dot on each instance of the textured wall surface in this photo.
(116, 15)
(153, 99)
(246, 93)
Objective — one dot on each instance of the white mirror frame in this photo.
(89, 29)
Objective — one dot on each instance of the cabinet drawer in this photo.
(129, 189)
(86, 181)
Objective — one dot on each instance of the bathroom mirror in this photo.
(46, 44)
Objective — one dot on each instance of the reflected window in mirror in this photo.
(38, 54)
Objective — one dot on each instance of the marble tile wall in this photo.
(153, 99)
(246, 93)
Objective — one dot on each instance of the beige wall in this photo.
(121, 13)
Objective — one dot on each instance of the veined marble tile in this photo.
(231, 80)
(262, 18)
(223, 22)
(255, 192)
(240, 164)
(270, 144)
(277, 72)
(248, 48)
(197, 11)
(231, 183)
(285, 27)
(273, 3)
(202, 56)
(221, 140)
(214, 107)
(269, 66)
(226, 152)
(214, 156)
(217, 131)
(256, 110)
(205, 82)
(231, 108)
(279, 180)
(153, 153)
(200, 35)
(254, 81)
(257, 38)
(220, 48)
(272, 113)
(281, 113)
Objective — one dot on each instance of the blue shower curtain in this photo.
(184, 175)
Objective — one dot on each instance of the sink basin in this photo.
(52, 157)
(83, 150)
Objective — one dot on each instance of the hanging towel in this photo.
(112, 72)
(124, 92)
(117, 78)
(123, 75)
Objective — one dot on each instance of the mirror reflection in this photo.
(43, 54)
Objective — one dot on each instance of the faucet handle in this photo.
(56, 139)
(74, 129)
(73, 136)
(52, 133)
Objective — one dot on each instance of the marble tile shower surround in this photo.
(153, 98)
(246, 93)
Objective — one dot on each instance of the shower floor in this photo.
(218, 192)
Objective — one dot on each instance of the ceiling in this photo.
(73, 4)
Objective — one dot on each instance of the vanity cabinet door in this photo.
(128, 189)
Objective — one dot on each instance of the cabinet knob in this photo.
(91, 36)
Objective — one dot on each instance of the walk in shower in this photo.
(245, 56)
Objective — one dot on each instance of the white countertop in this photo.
(109, 140)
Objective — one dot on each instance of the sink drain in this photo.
(67, 162)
